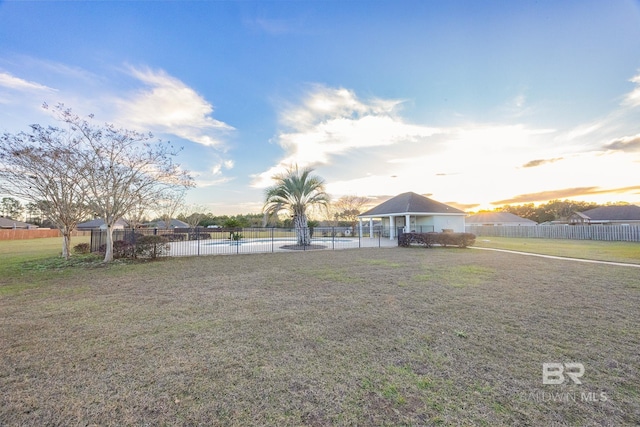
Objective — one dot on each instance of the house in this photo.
(174, 223)
(609, 215)
(98, 223)
(498, 218)
(414, 213)
(8, 223)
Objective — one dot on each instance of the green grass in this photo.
(355, 337)
(585, 249)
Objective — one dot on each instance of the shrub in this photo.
(175, 237)
(121, 249)
(462, 240)
(152, 246)
(82, 248)
(199, 236)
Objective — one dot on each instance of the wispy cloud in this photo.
(627, 144)
(540, 162)
(331, 122)
(16, 83)
(632, 99)
(544, 196)
(170, 106)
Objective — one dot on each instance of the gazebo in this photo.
(414, 213)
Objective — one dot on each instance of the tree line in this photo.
(554, 210)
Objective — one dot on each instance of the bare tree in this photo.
(169, 206)
(347, 208)
(40, 167)
(193, 214)
(121, 169)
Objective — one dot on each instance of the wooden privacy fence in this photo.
(20, 234)
(624, 233)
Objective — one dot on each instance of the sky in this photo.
(471, 103)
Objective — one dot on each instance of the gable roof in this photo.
(12, 223)
(99, 222)
(174, 223)
(614, 213)
(496, 217)
(411, 203)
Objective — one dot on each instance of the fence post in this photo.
(272, 248)
(197, 239)
(333, 238)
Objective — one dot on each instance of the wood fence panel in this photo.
(38, 233)
(620, 233)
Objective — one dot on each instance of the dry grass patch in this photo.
(357, 337)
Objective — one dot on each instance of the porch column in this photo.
(392, 226)
(407, 223)
(371, 228)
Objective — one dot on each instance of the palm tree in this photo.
(295, 191)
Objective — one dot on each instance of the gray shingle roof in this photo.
(411, 203)
(12, 223)
(614, 213)
(99, 222)
(496, 217)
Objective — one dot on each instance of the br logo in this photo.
(554, 373)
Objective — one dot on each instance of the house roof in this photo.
(12, 223)
(614, 213)
(99, 222)
(496, 217)
(174, 223)
(411, 203)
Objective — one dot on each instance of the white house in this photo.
(414, 213)
(498, 218)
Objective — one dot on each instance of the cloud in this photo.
(16, 83)
(626, 144)
(544, 196)
(539, 162)
(633, 98)
(170, 106)
(332, 122)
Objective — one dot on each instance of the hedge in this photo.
(461, 240)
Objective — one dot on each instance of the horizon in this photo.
(475, 105)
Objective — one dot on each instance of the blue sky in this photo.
(474, 103)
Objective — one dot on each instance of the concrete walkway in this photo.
(593, 261)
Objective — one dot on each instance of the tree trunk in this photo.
(66, 242)
(302, 231)
(108, 253)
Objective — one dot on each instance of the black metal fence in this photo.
(219, 241)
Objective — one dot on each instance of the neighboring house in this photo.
(174, 223)
(498, 218)
(610, 215)
(12, 223)
(98, 223)
(414, 212)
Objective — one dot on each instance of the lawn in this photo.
(354, 337)
(628, 252)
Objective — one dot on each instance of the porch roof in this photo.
(410, 204)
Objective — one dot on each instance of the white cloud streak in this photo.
(633, 98)
(172, 107)
(15, 83)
